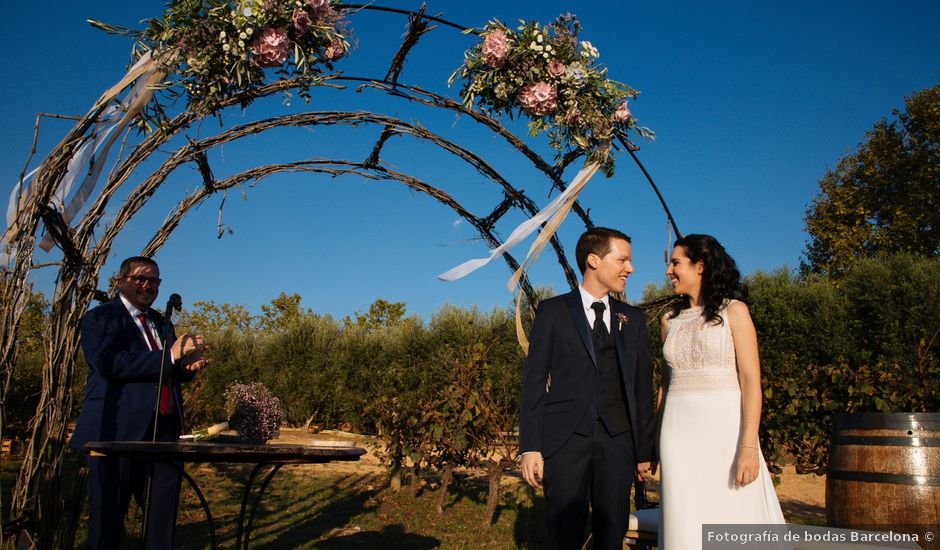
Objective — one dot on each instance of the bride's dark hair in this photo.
(721, 279)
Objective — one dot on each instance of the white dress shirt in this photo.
(587, 300)
(135, 315)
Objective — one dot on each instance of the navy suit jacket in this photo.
(561, 346)
(121, 387)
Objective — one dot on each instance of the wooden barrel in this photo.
(884, 469)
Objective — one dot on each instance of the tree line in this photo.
(446, 392)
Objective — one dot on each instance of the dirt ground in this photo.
(801, 496)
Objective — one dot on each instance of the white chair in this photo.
(643, 530)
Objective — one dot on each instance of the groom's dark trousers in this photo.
(593, 422)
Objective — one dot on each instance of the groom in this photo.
(586, 419)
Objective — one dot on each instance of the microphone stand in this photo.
(175, 302)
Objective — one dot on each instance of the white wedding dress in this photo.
(699, 437)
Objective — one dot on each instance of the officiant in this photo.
(123, 342)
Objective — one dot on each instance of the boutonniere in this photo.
(622, 320)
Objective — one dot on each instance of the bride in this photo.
(713, 471)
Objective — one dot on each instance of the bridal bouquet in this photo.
(253, 412)
(553, 79)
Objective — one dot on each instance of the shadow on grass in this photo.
(801, 512)
(311, 510)
(308, 518)
(292, 513)
(530, 529)
(391, 536)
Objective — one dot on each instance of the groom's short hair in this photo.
(595, 240)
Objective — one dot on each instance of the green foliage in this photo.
(382, 315)
(800, 327)
(212, 318)
(885, 197)
(452, 419)
(281, 313)
(24, 385)
(867, 344)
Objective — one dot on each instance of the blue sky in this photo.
(751, 101)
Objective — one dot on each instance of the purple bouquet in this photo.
(253, 411)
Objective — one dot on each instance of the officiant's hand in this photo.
(746, 465)
(195, 361)
(532, 465)
(187, 345)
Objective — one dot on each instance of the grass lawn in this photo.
(322, 506)
(311, 507)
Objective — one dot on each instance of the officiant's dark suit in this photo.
(121, 397)
(587, 399)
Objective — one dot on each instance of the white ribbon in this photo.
(523, 230)
(551, 216)
(87, 158)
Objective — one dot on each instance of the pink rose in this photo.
(270, 47)
(300, 20)
(334, 51)
(537, 98)
(622, 114)
(556, 68)
(495, 48)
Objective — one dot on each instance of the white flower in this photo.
(588, 50)
(247, 13)
(222, 34)
(241, 43)
(249, 30)
(226, 47)
(242, 35)
(539, 38)
(533, 45)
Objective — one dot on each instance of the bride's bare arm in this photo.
(744, 335)
(664, 383)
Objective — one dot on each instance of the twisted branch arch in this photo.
(38, 490)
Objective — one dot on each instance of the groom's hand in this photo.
(644, 470)
(532, 465)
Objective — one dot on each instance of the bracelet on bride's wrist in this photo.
(755, 447)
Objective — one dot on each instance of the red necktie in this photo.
(165, 404)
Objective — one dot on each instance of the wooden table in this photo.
(272, 456)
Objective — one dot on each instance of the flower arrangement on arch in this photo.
(221, 48)
(555, 80)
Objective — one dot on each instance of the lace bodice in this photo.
(699, 355)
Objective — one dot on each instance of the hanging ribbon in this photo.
(552, 216)
(545, 235)
(524, 229)
(91, 155)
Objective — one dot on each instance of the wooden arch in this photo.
(37, 500)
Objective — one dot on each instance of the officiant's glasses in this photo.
(141, 281)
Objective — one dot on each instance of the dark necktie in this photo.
(600, 329)
(165, 404)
